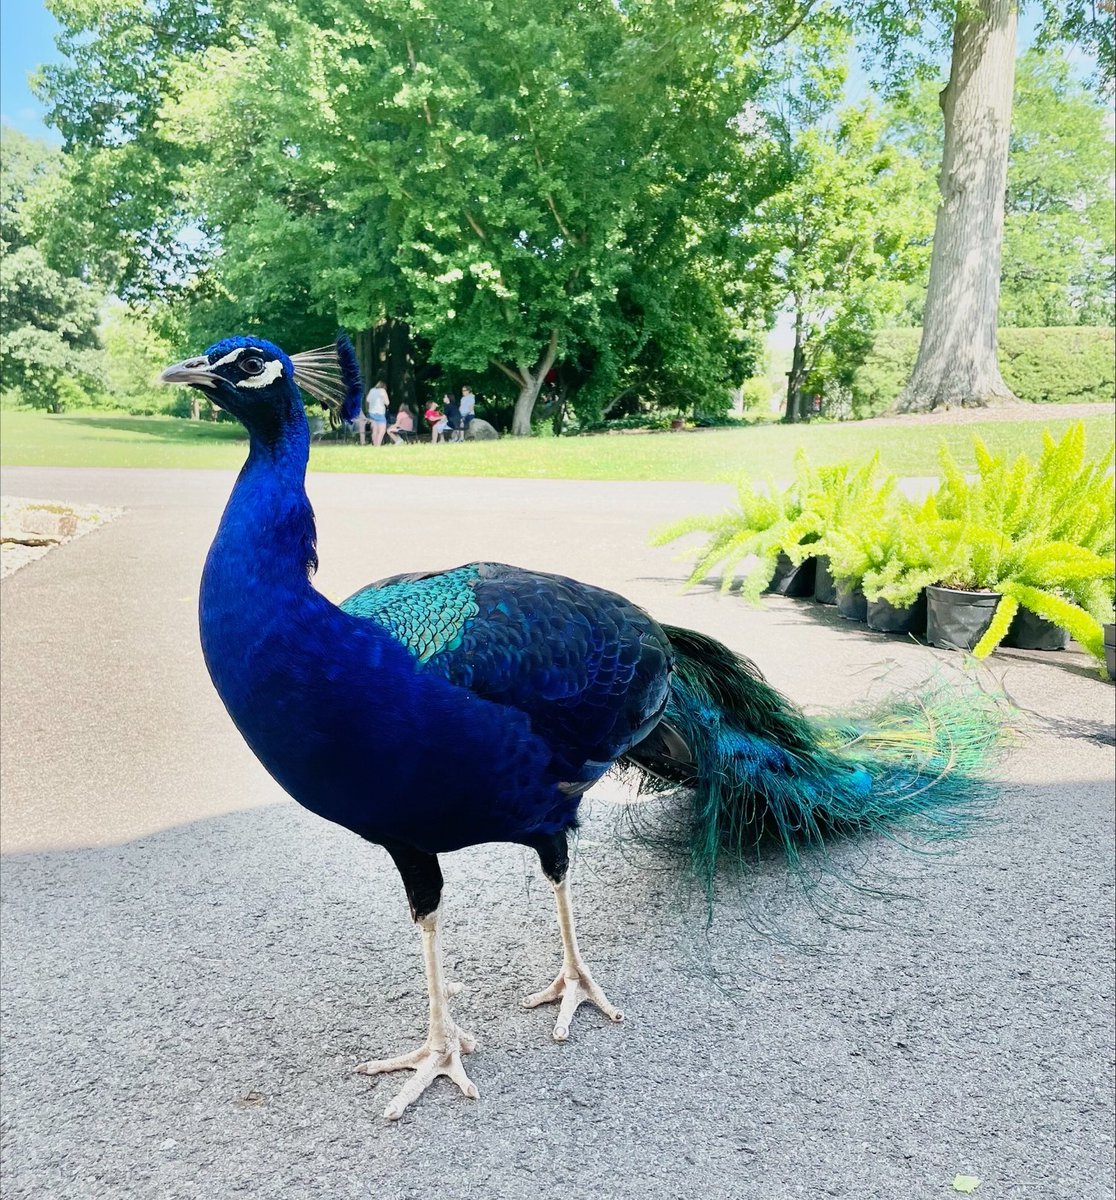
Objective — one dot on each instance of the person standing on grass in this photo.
(377, 404)
(468, 409)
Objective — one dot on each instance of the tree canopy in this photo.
(616, 196)
(520, 188)
(48, 319)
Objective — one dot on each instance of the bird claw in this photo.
(427, 1062)
(573, 989)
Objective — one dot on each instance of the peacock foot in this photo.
(436, 1057)
(573, 987)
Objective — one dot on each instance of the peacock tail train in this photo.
(759, 768)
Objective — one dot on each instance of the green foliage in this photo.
(869, 539)
(769, 521)
(764, 522)
(1060, 222)
(836, 498)
(839, 243)
(1058, 244)
(498, 178)
(1071, 365)
(48, 340)
(909, 555)
(1042, 532)
(1060, 366)
(135, 353)
(756, 393)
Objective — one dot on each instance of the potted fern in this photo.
(903, 559)
(836, 499)
(1035, 537)
(748, 540)
(857, 514)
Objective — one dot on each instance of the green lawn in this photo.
(110, 440)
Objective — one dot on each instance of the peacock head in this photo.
(246, 376)
(256, 382)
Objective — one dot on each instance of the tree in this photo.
(48, 320)
(1060, 225)
(519, 189)
(135, 353)
(957, 357)
(839, 242)
(956, 362)
(1058, 228)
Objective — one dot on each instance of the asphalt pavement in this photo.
(192, 964)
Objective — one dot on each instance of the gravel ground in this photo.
(192, 964)
(14, 554)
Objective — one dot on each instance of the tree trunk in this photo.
(795, 375)
(530, 384)
(525, 405)
(957, 357)
(195, 405)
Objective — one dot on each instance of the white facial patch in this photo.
(271, 372)
(232, 356)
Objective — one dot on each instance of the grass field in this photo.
(30, 438)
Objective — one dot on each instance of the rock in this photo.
(30, 528)
(41, 526)
(480, 431)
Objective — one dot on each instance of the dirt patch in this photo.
(1003, 412)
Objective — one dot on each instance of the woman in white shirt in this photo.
(376, 403)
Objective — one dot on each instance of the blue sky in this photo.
(26, 40)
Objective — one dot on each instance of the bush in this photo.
(1058, 365)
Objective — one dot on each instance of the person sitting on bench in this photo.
(402, 429)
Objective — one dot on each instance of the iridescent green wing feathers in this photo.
(427, 613)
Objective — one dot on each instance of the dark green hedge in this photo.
(1057, 365)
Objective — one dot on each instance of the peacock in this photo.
(556, 682)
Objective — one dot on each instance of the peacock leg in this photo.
(447, 1041)
(574, 984)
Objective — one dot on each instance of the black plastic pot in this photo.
(1110, 650)
(851, 603)
(825, 586)
(886, 618)
(957, 620)
(790, 580)
(1028, 631)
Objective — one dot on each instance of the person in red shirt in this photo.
(435, 418)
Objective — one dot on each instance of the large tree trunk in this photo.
(530, 382)
(957, 357)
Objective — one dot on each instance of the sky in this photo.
(27, 41)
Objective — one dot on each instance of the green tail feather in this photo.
(758, 767)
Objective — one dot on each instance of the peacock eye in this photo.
(251, 365)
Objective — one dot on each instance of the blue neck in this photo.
(266, 541)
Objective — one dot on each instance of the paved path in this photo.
(192, 964)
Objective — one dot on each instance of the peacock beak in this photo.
(194, 371)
